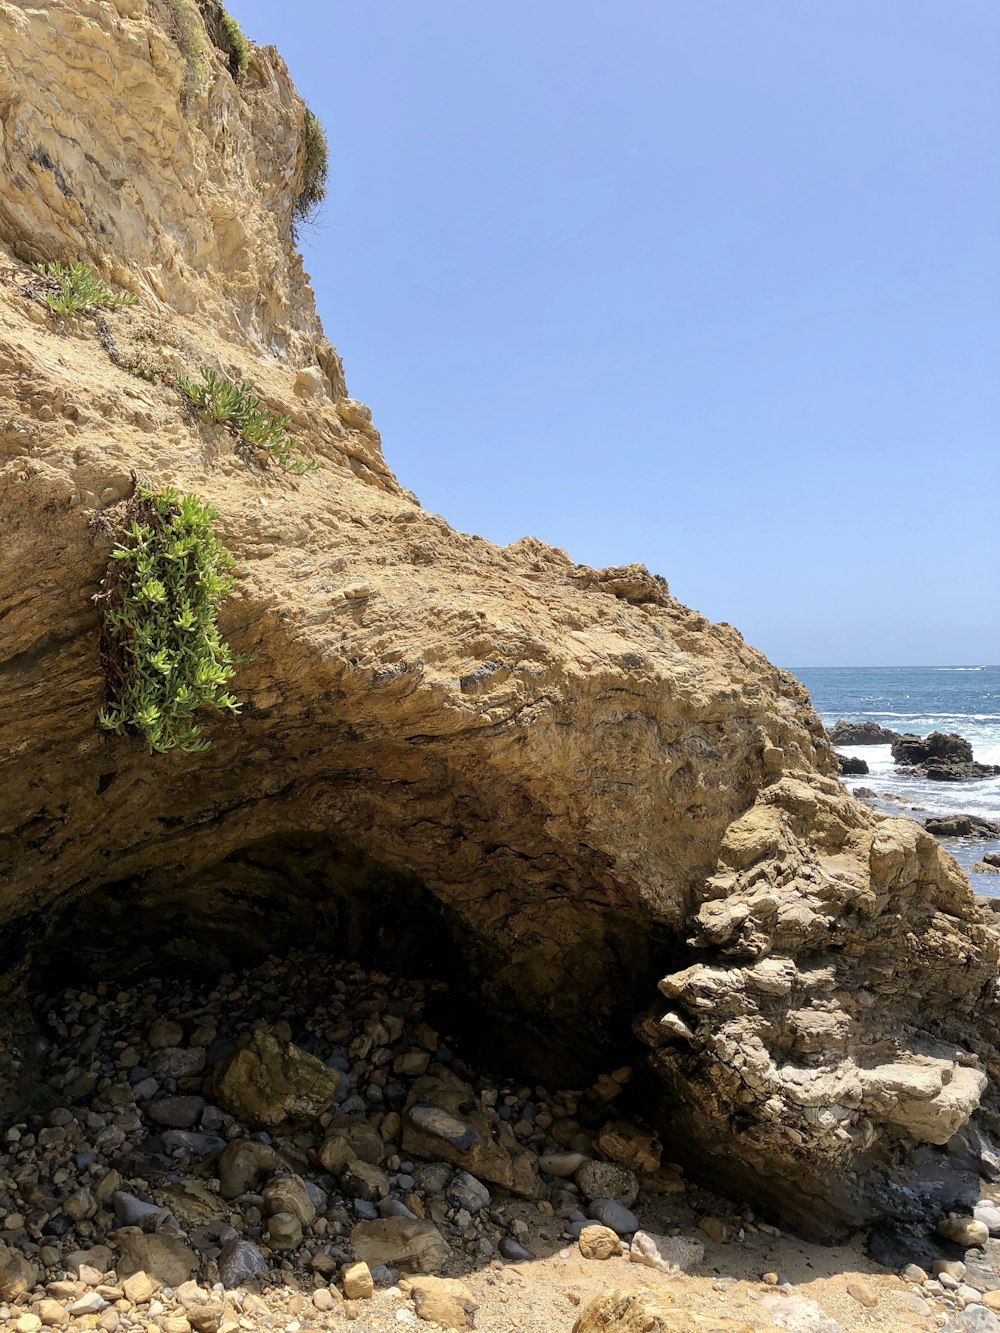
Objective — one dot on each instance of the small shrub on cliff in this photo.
(162, 652)
(236, 404)
(77, 289)
(317, 166)
(239, 47)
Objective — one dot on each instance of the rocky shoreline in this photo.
(297, 1146)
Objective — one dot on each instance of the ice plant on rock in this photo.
(163, 655)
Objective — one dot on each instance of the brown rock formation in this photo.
(861, 733)
(945, 757)
(555, 785)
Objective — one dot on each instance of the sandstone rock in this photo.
(283, 1231)
(139, 1287)
(483, 702)
(17, 1274)
(668, 1254)
(597, 1242)
(243, 1164)
(862, 1290)
(561, 1164)
(289, 1195)
(357, 1281)
(164, 1033)
(437, 1125)
(608, 1180)
(399, 1242)
(630, 1146)
(964, 1231)
(649, 1312)
(53, 1313)
(269, 1082)
(167, 1258)
(715, 1229)
(444, 1301)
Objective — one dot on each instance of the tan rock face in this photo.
(560, 783)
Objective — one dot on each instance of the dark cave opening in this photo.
(560, 1016)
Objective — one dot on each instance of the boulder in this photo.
(444, 1119)
(413, 1246)
(443, 1300)
(168, 1258)
(243, 1164)
(269, 1082)
(17, 1274)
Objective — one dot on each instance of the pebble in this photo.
(612, 1214)
(239, 1262)
(514, 1251)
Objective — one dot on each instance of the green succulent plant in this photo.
(237, 405)
(79, 289)
(163, 654)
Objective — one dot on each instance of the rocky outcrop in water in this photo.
(851, 765)
(943, 757)
(861, 733)
(613, 826)
(961, 826)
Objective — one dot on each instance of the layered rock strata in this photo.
(563, 784)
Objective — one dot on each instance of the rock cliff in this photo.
(613, 824)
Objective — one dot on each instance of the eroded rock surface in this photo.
(560, 782)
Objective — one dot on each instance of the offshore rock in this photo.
(861, 733)
(557, 784)
(944, 757)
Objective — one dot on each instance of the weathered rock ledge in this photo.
(572, 795)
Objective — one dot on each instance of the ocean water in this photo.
(965, 699)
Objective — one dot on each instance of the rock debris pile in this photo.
(300, 1126)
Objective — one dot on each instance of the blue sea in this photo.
(965, 699)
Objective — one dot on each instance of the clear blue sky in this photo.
(710, 284)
